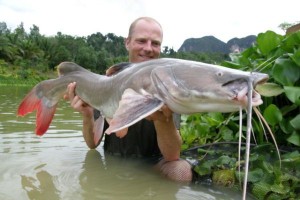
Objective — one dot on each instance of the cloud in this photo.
(181, 19)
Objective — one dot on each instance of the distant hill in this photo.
(210, 44)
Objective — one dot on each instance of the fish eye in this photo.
(219, 73)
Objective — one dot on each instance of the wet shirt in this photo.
(140, 141)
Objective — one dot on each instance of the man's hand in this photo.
(76, 102)
(164, 114)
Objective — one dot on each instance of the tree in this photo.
(96, 41)
(3, 28)
(285, 25)
(87, 57)
(20, 32)
(7, 50)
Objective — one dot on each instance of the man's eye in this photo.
(141, 41)
(156, 43)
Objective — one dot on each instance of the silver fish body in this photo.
(186, 87)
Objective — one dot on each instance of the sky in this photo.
(180, 19)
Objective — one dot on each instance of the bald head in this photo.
(149, 20)
(144, 39)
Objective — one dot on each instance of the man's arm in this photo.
(168, 137)
(87, 114)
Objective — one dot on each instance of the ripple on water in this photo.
(59, 165)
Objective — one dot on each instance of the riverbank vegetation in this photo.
(29, 57)
(210, 139)
(270, 177)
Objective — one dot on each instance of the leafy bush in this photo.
(278, 56)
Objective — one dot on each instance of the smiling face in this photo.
(144, 41)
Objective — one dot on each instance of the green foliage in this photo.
(11, 75)
(275, 181)
(272, 115)
(278, 56)
(285, 25)
(199, 129)
(33, 50)
(266, 179)
(213, 58)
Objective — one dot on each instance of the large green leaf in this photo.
(269, 89)
(232, 65)
(272, 114)
(289, 43)
(268, 41)
(296, 122)
(261, 189)
(226, 133)
(286, 126)
(285, 71)
(294, 138)
(255, 175)
(293, 94)
(296, 57)
(280, 188)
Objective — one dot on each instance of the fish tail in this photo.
(28, 104)
(44, 116)
(45, 108)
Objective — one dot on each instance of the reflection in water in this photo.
(59, 165)
(124, 178)
(40, 188)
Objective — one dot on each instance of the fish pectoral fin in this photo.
(132, 108)
(98, 129)
(121, 133)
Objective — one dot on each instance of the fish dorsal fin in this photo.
(113, 70)
(68, 67)
(132, 108)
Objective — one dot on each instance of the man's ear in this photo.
(127, 41)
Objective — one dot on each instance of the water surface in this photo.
(59, 165)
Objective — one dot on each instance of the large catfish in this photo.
(140, 89)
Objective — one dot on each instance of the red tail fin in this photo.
(44, 113)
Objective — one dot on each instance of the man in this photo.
(151, 136)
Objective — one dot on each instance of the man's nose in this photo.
(148, 46)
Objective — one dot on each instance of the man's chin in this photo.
(143, 58)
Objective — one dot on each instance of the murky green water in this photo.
(59, 165)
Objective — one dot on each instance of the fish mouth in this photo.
(240, 89)
(242, 97)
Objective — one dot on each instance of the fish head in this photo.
(237, 84)
(190, 87)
